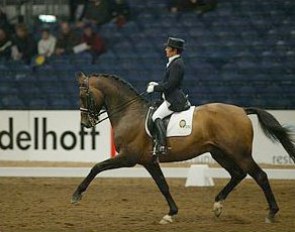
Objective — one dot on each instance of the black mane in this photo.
(122, 81)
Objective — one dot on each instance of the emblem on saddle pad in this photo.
(183, 124)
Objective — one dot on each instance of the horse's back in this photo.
(223, 124)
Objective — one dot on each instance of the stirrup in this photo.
(161, 150)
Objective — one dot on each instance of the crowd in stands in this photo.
(78, 34)
(22, 45)
(241, 53)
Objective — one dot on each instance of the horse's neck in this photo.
(122, 104)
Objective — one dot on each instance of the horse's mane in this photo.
(122, 81)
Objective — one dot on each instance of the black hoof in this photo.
(271, 215)
(76, 198)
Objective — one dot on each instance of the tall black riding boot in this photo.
(161, 136)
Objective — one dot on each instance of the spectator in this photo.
(46, 44)
(4, 24)
(201, 6)
(67, 39)
(95, 43)
(5, 45)
(98, 11)
(24, 45)
(77, 8)
(121, 12)
(182, 5)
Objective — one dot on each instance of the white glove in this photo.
(150, 88)
(153, 83)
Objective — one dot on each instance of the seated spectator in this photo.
(4, 24)
(201, 6)
(5, 45)
(67, 39)
(121, 12)
(77, 8)
(98, 11)
(24, 46)
(206, 5)
(182, 5)
(95, 43)
(46, 44)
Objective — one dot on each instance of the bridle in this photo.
(90, 110)
(93, 113)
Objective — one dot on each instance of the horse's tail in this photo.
(274, 130)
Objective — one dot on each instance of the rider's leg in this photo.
(162, 112)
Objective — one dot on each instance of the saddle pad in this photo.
(180, 123)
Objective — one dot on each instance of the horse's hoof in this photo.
(76, 198)
(270, 219)
(217, 208)
(166, 220)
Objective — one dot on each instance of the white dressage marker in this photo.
(197, 176)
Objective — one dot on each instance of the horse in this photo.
(223, 130)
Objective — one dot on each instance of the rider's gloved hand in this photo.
(153, 83)
(150, 88)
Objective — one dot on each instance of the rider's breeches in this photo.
(163, 111)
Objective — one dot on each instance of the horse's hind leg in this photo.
(236, 173)
(261, 179)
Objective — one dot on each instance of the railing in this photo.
(30, 9)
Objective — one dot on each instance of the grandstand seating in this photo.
(242, 53)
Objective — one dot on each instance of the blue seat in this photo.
(12, 102)
(59, 104)
(38, 103)
(81, 59)
(8, 88)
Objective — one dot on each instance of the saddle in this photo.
(177, 124)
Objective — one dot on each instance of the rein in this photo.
(119, 108)
(92, 113)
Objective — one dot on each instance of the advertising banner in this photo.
(58, 136)
(52, 136)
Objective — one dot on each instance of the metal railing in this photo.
(30, 9)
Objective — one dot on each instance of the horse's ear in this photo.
(80, 76)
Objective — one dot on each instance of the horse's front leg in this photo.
(117, 162)
(157, 174)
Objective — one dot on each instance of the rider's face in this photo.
(170, 52)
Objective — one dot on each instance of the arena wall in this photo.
(58, 136)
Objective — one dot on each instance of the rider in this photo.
(174, 100)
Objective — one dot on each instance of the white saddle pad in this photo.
(181, 123)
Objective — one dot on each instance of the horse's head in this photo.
(91, 101)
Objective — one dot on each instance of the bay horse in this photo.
(221, 129)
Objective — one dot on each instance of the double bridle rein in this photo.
(93, 113)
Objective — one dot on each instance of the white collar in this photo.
(170, 59)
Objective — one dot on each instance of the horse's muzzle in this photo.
(87, 125)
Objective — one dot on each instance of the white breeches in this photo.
(162, 111)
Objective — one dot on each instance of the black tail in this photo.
(274, 130)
